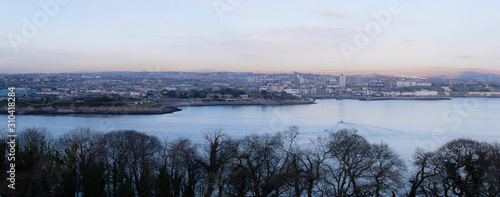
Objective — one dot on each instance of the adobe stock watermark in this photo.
(153, 69)
(452, 118)
(224, 6)
(363, 37)
(280, 121)
(39, 20)
(11, 109)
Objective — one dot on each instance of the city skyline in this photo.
(247, 36)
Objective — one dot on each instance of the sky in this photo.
(51, 36)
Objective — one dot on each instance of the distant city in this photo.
(199, 85)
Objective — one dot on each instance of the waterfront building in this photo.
(342, 80)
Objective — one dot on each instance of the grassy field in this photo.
(253, 94)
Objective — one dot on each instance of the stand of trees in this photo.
(125, 163)
(195, 93)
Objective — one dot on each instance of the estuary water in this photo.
(403, 124)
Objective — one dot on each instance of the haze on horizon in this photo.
(242, 35)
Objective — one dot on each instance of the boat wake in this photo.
(367, 130)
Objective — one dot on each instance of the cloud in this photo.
(406, 40)
(302, 31)
(302, 42)
(465, 57)
(57, 53)
(473, 57)
(174, 46)
(297, 37)
(330, 12)
(171, 22)
(179, 36)
(302, 34)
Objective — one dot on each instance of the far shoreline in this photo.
(177, 106)
(163, 108)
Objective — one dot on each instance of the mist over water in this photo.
(404, 125)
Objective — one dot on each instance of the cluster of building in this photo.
(151, 84)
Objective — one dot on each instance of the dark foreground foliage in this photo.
(125, 163)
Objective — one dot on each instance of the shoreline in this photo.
(96, 111)
(245, 103)
(405, 98)
(423, 98)
(172, 107)
(163, 108)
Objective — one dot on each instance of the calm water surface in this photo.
(404, 125)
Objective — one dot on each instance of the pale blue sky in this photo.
(256, 35)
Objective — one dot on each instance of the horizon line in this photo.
(352, 72)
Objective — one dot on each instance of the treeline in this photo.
(87, 101)
(235, 93)
(195, 93)
(125, 163)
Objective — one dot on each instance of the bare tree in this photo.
(425, 169)
(464, 163)
(461, 167)
(313, 160)
(35, 164)
(263, 165)
(219, 150)
(493, 171)
(291, 153)
(180, 173)
(303, 164)
(351, 159)
(83, 154)
(133, 156)
(386, 171)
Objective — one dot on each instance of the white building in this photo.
(404, 83)
(275, 88)
(342, 80)
(426, 93)
(408, 94)
(302, 80)
(424, 84)
(291, 91)
(412, 84)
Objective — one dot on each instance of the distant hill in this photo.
(479, 76)
(427, 72)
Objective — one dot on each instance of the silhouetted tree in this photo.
(463, 163)
(180, 172)
(132, 157)
(82, 156)
(461, 167)
(294, 162)
(264, 165)
(219, 151)
(424, 170)
(86, 163)
(351, 159)
(386, 172)
(313, 160)
(35, 164)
